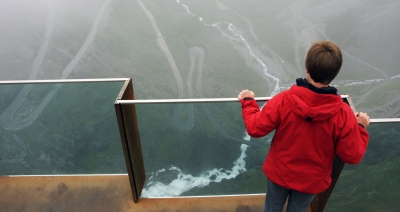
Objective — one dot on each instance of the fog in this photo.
(188, 49)
(61, 39)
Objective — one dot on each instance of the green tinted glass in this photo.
(374, 184)
(199, 149)
(68, 128)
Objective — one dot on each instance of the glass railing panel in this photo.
(374, 184)
(199, 149)
(67, 128)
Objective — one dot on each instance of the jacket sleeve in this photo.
(260, 123)
(353, 142)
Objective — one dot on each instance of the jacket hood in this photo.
(313, 106)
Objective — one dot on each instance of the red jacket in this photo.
(310, 129)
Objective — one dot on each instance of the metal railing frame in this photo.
(158, 101)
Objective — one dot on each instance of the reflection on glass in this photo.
(60, 129)
(374, 184)
(199, 149)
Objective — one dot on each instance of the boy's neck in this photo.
(316, 84)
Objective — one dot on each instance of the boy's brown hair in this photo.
(323, 61)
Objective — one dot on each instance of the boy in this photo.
(312, 125)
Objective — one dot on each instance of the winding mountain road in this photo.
(189, 106)
(163, 45)
(7, 118)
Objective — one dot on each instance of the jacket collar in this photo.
(325, 90)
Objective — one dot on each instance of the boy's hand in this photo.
(362, 118)
(245, 93)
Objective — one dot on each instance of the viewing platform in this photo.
(105, 193)
(88, 145)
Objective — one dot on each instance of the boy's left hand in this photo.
(245, 93)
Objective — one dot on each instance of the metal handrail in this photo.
(199, 100)
(210, 100)
(385, 120)
(7, 82)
